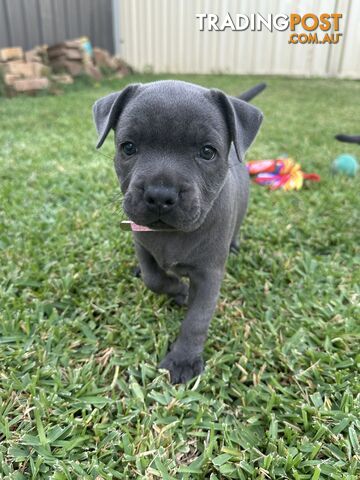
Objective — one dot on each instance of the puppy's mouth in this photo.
(160, 225)
(181, 218)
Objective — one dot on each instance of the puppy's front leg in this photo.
(157, 280)
(184, 361)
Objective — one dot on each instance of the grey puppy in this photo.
(179, 153)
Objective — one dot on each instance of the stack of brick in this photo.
(71, 57)
(44, 67)
(37, 54)
(105, 61)
(22, 73)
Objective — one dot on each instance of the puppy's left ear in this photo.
(243, 120)
(107, 110)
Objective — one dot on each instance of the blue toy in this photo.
(345, 164)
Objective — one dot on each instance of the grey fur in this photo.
(202, 201)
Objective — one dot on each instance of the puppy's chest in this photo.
(166, 257)
(170, 253)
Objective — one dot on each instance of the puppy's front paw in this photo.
(182, 369)
(181, 298)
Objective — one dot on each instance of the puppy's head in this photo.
(172, 142)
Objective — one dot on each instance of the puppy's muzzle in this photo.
(160, 199)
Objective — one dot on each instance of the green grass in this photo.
(80, 395)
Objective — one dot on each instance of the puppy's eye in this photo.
(129, 148)
(207, 152)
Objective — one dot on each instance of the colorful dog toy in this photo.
(280, 172)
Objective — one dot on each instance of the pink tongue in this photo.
(140, 228)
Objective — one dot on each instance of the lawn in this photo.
(80, 394)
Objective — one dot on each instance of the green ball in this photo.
(346, 164)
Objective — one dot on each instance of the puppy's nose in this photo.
(160, 198)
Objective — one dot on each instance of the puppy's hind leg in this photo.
(235, 242)
(241, 203)
(159, 281)
(234, 246)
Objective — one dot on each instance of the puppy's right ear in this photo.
(243, 120)
(107, 110)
